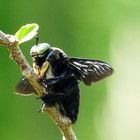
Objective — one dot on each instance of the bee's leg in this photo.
(52, 81)
(58, 79)
(40, 109)
(52, 99)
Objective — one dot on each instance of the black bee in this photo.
(60, 75)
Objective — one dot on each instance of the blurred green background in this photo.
(105, 30)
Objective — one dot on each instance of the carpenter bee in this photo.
(60, 76)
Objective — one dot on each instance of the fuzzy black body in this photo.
(63, 90)
(60, 76)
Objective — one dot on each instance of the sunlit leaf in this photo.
(27, 32)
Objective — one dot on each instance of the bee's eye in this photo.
(39, 49)
(42, 48)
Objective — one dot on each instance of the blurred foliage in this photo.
(81, 28)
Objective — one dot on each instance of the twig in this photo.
(63, 123)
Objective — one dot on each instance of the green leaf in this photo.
(27, 32)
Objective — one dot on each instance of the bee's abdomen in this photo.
(71, 103)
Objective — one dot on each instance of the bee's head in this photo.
(39, 54)
(43, 55)
(39, 50)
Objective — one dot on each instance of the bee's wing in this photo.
(24, 88)
(89, 70)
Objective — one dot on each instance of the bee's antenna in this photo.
(37, 39)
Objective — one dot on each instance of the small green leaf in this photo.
(27, 32)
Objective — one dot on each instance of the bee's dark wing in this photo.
(89, 70)
(23, 87)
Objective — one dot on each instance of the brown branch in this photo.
(63, 123)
